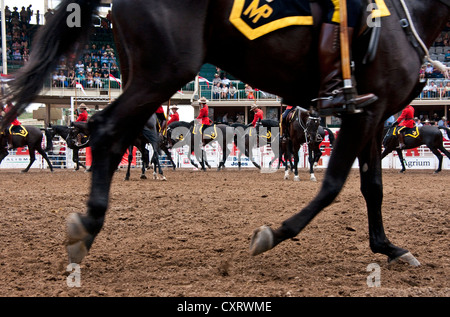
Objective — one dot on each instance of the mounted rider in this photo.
(405, 121)
(83, 116)
(14, 128)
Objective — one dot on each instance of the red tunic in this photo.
(203, 115)
(82, 117)
(406, 119)
(160, 110)
(258, 115)
(174, 118)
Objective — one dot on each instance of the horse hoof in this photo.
(296, 178)
(143, 177)
(408, 258)
(76, 235)
(313, 178)
(163, 178)
(262, 240)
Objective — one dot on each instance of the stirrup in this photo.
(345, 109)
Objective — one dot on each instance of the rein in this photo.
(408, 22)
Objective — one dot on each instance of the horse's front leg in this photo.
(312, 160)
(112, 132)
(265, 238)
(372, 190)
(402, 160)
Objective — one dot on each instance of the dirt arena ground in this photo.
(189, 236)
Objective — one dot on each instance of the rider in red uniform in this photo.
(258, 114)
(15, 123)
(203, 116)
(83, 115)
(404, 121)
(174, 117)
(161, 118)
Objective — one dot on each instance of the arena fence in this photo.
(418, 158)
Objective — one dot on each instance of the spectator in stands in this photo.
(251, 95)
(441, 90)
(97, 80)
(447, 56)
(216, 80)
(224, 91)
(62, 80)
(247, 90)
(216, 91)
(55, 79)
(23, 15)
(38, 17)
(29, 14)
(225, 81)
(417, 121)
(442, 122)
(432, 90)
(7, 14)
(447, 89)
(429, 70)
(79, 67)
(90, 80)
(422, 73)
(232, 91)
(427, 122)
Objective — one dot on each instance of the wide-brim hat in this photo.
(82, 106)
(203, 100)
(254, 106)
(174, 107)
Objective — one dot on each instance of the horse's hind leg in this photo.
(112, 132)
(439, 157)
(372, 190)
(341, 161)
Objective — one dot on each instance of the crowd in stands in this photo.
(92, 70)
(18, 38)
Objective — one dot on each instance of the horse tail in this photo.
(64, 32)
(330, 136)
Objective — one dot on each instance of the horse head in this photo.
(312, 126)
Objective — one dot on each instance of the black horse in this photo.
(302, 128)
(31, 136)
(431, 136)
(149, 135)
(64, 131)
(162, 45)
(181, 133)
(246, 138)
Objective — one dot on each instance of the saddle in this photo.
(18, 130)
(412, 132)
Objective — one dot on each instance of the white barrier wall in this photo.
(419, 158)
